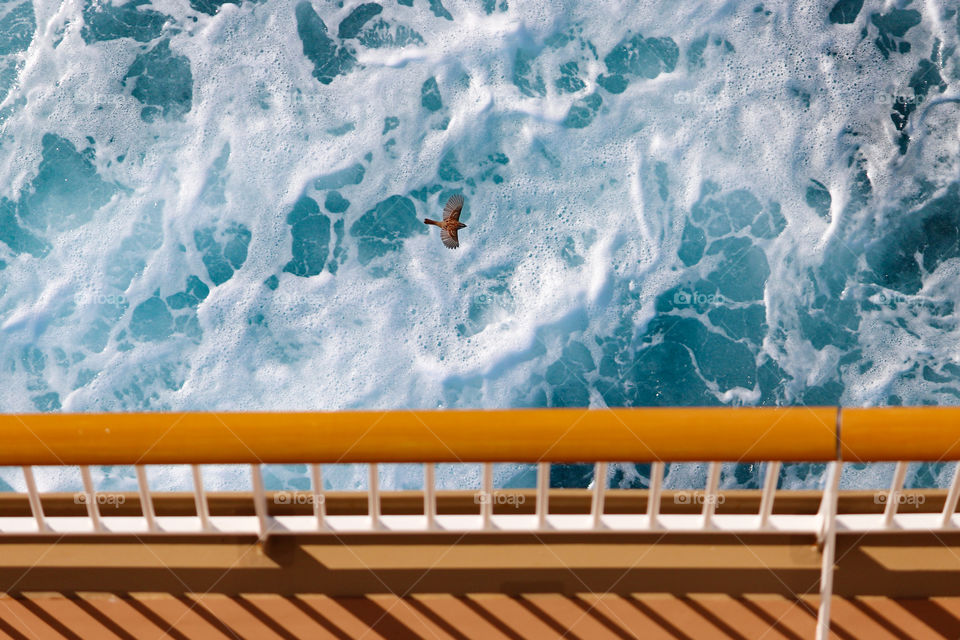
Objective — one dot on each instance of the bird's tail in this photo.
(429, 221)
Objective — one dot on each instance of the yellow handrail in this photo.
(901, 433)
(521, 435)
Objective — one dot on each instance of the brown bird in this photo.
(451, 222)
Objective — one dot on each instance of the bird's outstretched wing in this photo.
(449, 238)
(453, 207)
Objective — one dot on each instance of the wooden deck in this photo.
(488, 616)
(440, 585)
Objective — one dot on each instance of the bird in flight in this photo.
(451, 222)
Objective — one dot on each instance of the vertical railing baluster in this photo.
(260, 500)
(319, 496)
(950, 506)
(93, 510)
(373, 496)
(430, 494)
(486, 493)
(599, 493)
(770, 479)
(828, 536)
(710, 494)
(200, 498)
(543, 493)
(893, 496)
(653, 495)
(146, 500)
(36, 506)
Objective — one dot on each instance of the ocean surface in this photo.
(210, 205)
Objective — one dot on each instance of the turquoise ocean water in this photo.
(211, 205)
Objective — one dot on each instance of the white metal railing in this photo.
(99, 520)
(825, 524)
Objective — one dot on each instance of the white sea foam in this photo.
(792, 98)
